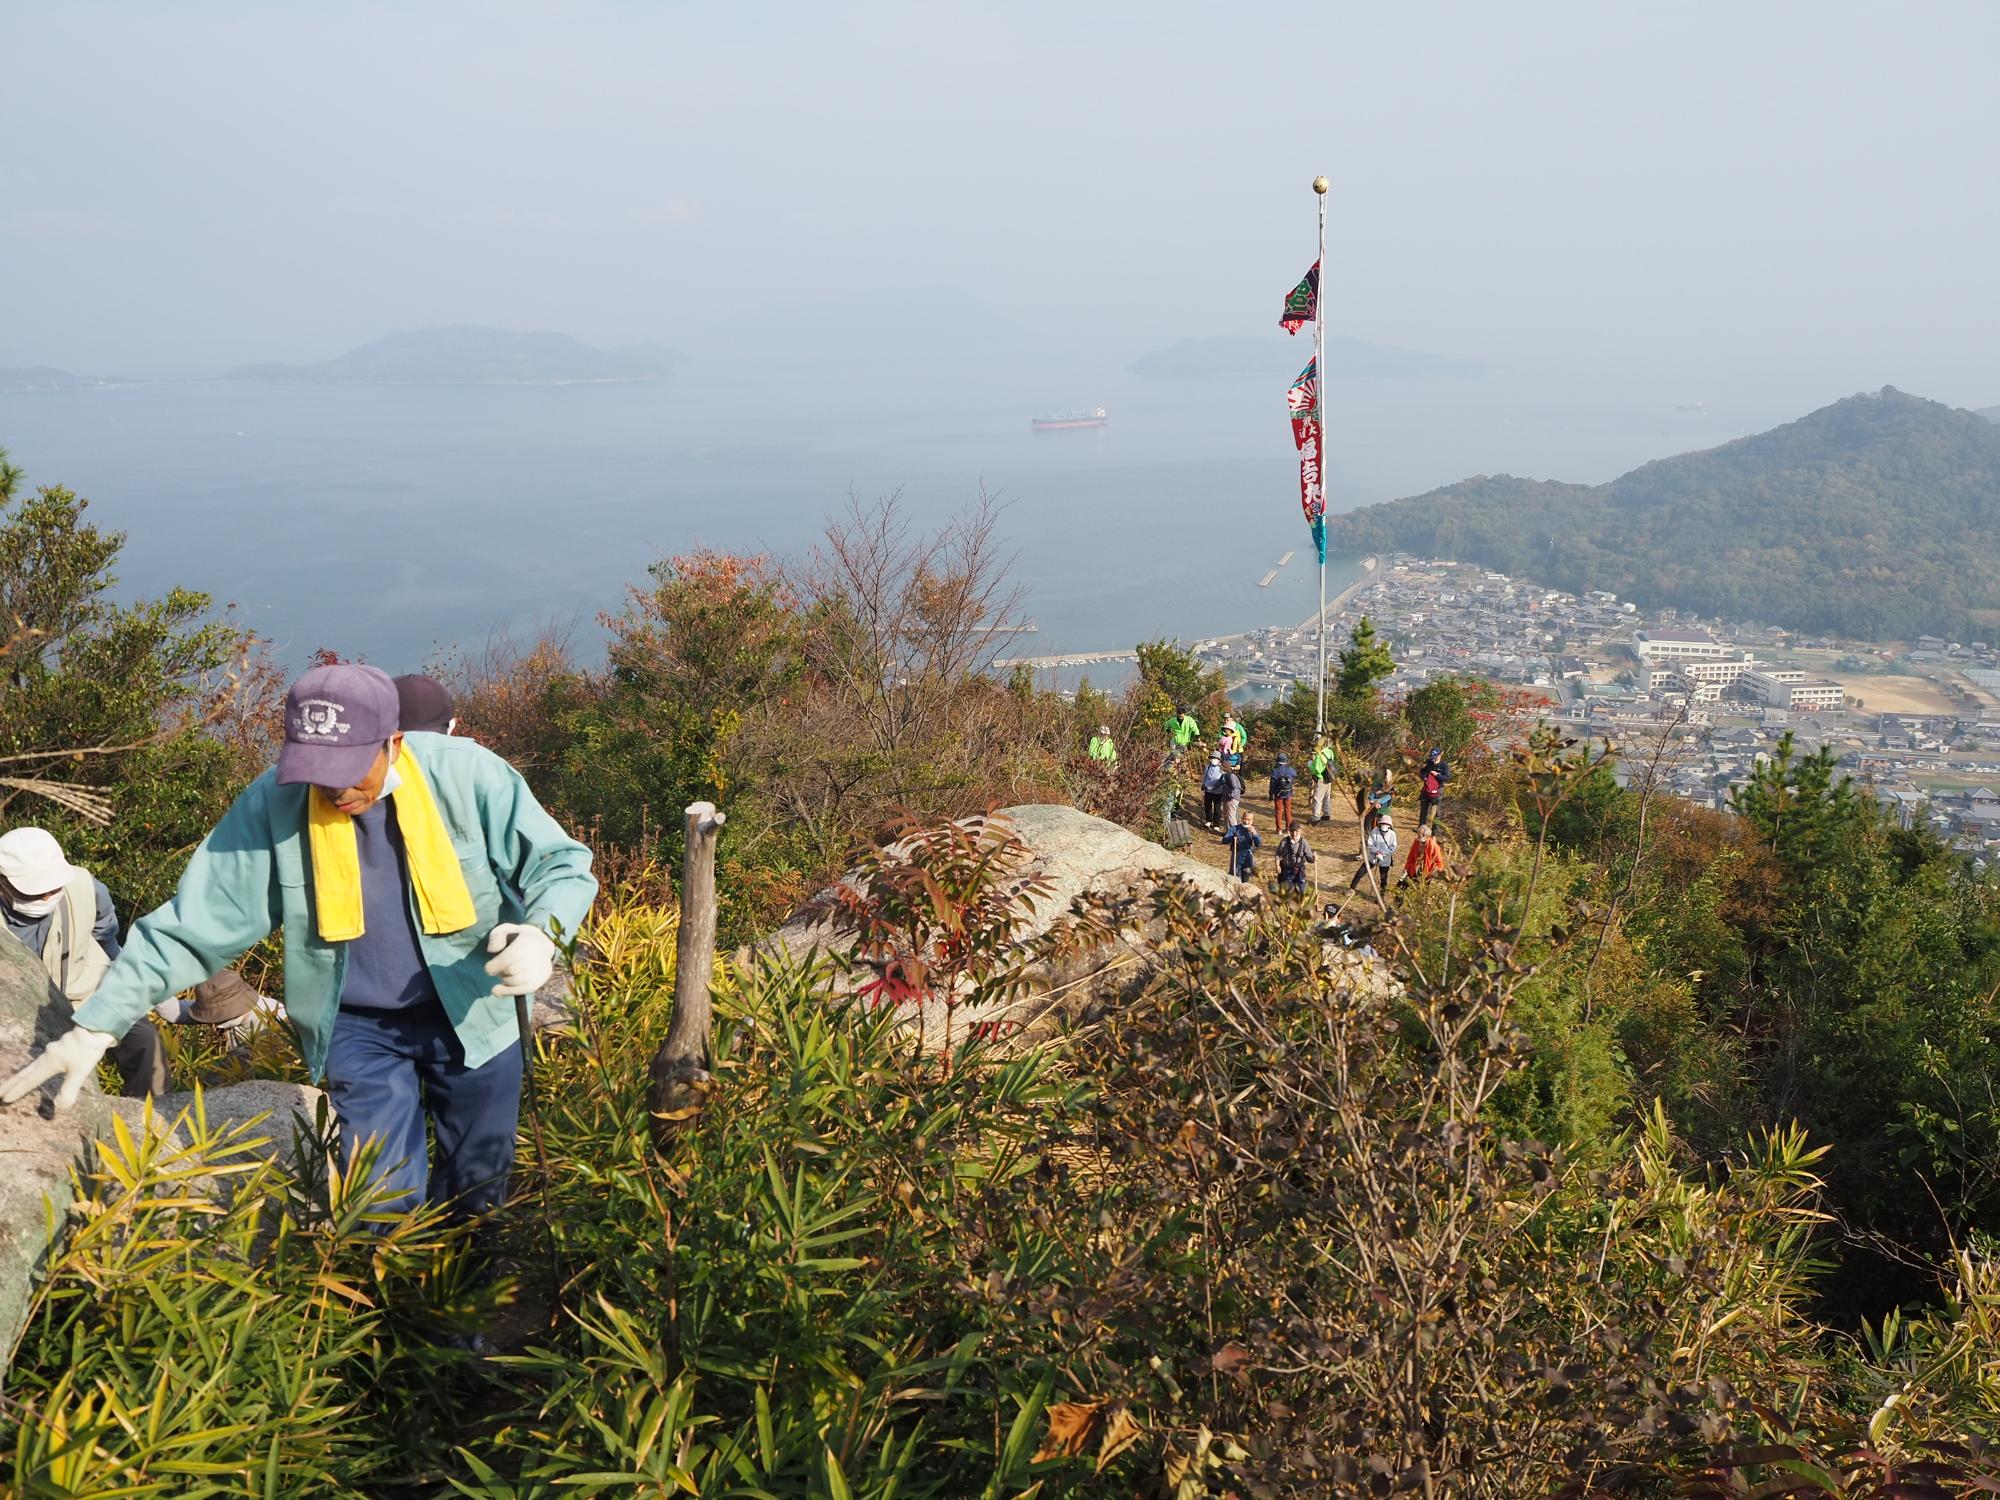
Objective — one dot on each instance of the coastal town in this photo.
(1917, 723)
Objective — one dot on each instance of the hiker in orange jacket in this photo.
(1426, 855)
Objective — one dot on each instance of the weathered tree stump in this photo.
(680, 1077)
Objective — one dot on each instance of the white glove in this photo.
(524, 958)
(74, 1055)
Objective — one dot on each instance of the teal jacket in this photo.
(253, 875)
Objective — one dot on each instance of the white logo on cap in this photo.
(320, 719)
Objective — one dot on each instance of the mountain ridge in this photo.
(1877, 516)
(469, 354)
(16, 379)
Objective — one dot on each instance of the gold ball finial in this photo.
(1320, 186)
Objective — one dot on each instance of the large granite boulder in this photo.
(1077, 855)
(279, 1117)
(38, 1150)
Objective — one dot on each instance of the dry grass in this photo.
(1896, 695)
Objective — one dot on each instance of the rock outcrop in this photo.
(290, 1113)
(36, 1153)
(39, 1150)
(1076, 855)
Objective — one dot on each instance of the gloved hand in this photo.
(75, 1055)
(524, 958)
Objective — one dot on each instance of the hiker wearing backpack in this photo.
(1211, 793)
(1283, 778)
(1373, 802)
(1431, 779)
(1232, 796)
(1294, 854)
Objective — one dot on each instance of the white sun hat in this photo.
(32, 862)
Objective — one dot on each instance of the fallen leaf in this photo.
(1121, 1431)
(1230, 1359)
(1070, 1424)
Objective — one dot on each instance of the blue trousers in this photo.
(391, 1073)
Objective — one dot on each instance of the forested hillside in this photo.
(1876, 517)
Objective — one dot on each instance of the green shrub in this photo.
(216, 1325)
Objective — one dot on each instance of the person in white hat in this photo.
(65, 917)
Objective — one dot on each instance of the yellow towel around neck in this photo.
(444, 903)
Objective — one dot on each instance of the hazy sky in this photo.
(1801, 193)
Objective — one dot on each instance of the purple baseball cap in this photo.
(336, 720)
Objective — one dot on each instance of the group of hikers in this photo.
(420, 890)
(1223, 789)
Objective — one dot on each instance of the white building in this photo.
(1678, 645)
(1817, 696)
(1703, 681)
(1787, 688)
(1720, 672)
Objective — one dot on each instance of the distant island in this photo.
(18, 378)
(1248, 356)
(1877, 517)
(466, 355)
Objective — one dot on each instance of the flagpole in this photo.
(1319, 364)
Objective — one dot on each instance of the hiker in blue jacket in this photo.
(1244, 844)
(419, 886)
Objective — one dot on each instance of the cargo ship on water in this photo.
(1063, 420)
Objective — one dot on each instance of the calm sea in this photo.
(386, 521)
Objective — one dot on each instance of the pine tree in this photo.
(1364, 662)
(1797, 807)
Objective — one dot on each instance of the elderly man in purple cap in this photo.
(420, 887)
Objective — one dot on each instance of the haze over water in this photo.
(383, 521)
(885, 235)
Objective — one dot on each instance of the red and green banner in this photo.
(1302, 304)
(1303, 399)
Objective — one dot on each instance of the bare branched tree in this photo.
(898, 704)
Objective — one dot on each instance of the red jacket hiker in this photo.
(1426, 857)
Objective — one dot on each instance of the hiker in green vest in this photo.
(1103, 751)
(1322, 766)
(1182, 731)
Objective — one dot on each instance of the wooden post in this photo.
(680, 1067)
